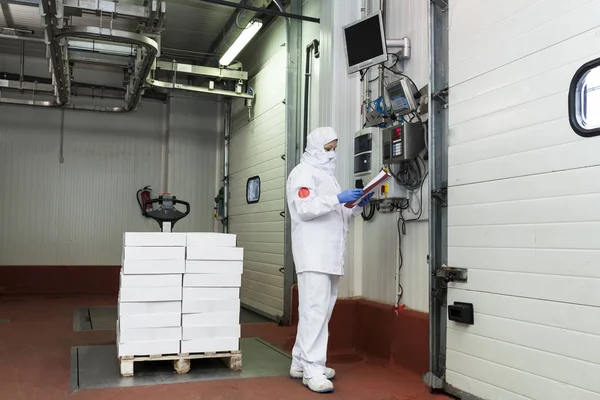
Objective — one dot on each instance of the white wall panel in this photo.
(379, 237)
(522, 201)
(193, 137)
(257, 144)
(74, 213)
(29, 177)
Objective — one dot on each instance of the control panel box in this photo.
(402, 142)
(367, 153)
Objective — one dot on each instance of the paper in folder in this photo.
(379, 180)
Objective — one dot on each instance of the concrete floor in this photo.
(35, 350)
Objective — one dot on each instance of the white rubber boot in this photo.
(318, 384)
(299, 374)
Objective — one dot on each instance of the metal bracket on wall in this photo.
(283, 157)
(441, 194)
(433, 381)
(282, 214)
(452, 274)
(442, 96)
(442, 4)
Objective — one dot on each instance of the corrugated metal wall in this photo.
(257, 147)
(74, 213)
(194, 127)
(380, 238)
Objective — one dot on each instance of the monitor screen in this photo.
(365, 44)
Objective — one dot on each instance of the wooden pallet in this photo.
(182, 361)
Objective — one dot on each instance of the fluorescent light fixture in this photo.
(247, 34)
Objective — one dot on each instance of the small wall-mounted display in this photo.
(253, 190)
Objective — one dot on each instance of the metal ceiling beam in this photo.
(32, 3)
(202, 71)
(85, 57)
(142, 67)
(56, 57)
(199, 89)
(10, 22)
(117, 8)
(23, 38)
(262, 10)
(33, 86)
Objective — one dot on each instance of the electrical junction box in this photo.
(391, 190)
(402, 142)
(367, 155)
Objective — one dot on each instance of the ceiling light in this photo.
(247, 34)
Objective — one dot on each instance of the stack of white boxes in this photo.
(170, 303)
(211, 293)
(150, 293)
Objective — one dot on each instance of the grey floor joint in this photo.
(97, 367)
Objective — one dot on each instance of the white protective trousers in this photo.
(317, 294)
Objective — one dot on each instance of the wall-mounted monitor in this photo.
(365, 43)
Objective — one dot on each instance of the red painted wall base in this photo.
(60, 280)
(374, 330)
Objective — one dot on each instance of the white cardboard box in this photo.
(215, 253)
(148, 348)
(154, 280)
(143, 267)
(150, 321)
(214, 267)
(154, 239)
(150, 334)
(212, 280)
(153, 253)
(212, 239)
(211, 318)
(210, 345)
(158, 307)
(202, 332)
(192, 293)
(137, 294)
(191, 306)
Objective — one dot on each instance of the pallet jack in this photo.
(166, 215)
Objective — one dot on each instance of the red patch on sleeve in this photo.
(303, 193)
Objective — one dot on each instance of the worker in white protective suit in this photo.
(319, 229)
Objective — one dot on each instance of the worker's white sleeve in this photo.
(308, 203)
(350, 213)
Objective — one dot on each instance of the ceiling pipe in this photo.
(267, 11)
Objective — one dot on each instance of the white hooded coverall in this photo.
(319, 230)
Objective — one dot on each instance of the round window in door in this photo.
(253, 190)
(584, 100)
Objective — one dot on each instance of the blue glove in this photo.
(366, 200)
(348, 196)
